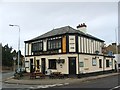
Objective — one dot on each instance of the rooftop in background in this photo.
(61, 31)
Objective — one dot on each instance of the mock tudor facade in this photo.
(67, 50)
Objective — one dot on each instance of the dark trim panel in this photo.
(76, 42)
(67, 43)
(25, 48)
(65, 53)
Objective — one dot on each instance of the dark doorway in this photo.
(116, 66)
(100, 63)
(72, 65)
(43, 65)
(31, 66)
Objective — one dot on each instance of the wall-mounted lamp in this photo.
(62, 61)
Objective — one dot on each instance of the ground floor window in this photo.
(52, 63)
(94, 62)
(81, 64)
(27, 64)
(118, 65)
(107, 63)
(38, 67)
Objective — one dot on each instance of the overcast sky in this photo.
(37, 18)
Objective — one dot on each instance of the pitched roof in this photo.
(63, 30)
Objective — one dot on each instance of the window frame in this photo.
(37, 46)
(107, 63)
(38, 64)
(27, 64)
(54, 44)
(50, 64)
(81, 64)
(94, 62)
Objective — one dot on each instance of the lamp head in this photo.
(11, 25)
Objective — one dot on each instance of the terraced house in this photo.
(67, 50)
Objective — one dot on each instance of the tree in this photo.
(8, 54)
(7, 59)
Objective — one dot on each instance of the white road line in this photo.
(66, 83)
(53, 85)
(58, 84)
(115, 87)
(31, 87)
(47, 86)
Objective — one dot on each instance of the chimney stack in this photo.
(82, 28)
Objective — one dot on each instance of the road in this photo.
(110, 83)
(5, 86)
(6, 75)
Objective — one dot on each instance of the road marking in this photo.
(53, 85)
(31, 87)
(66, 83)
(115, 87)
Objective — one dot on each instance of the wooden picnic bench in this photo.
(35, 75)
(56, 75)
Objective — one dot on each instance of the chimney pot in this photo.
(82, 27)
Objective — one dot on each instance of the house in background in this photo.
(116, 51)
(67, 50)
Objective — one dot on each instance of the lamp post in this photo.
(116, 37)
(116, 40)
(18, 44)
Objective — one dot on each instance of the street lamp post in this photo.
(116, 35)
(18, 44)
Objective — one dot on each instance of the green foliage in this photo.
(7, 56)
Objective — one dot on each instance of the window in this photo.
(94, 62)
(81, 64)
(27, 64)
(52, 63)
(118, 65)
(100, 63)
(59, 44)
(37, 46)
(49, 45)
(107, 63)
(54, 44)
(38, 64)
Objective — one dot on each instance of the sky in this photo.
(37, 18)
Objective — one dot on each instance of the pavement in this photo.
(47, 81)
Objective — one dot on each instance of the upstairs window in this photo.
(54, 44)
(37, 46)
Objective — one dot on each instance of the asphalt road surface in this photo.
(6, 75)
(110, 83)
